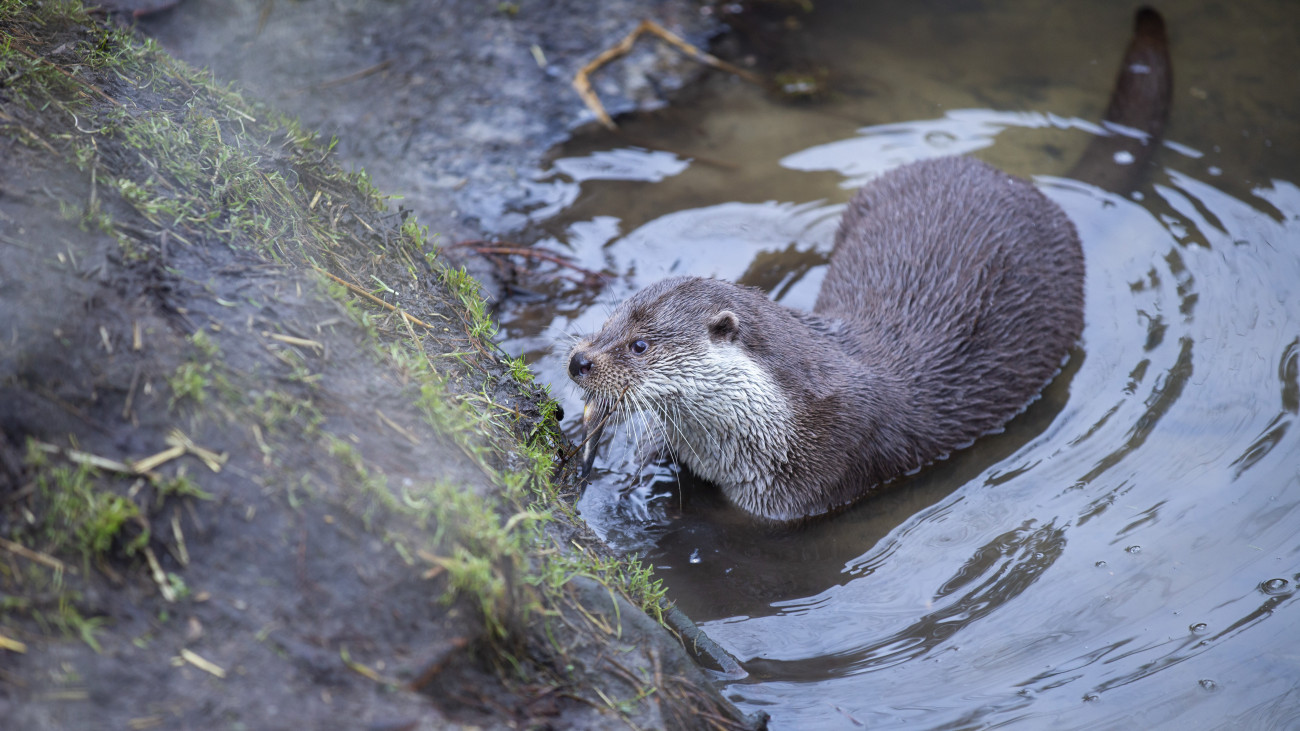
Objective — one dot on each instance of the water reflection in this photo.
(1004, 569)
(885, 147)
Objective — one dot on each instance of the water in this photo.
(1126, 553)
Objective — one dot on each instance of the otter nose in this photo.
(579, 366)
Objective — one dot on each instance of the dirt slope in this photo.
(236, 490)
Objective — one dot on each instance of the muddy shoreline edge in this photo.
(262, 465)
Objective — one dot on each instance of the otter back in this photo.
(965, 285)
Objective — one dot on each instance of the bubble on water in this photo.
(1100, 564)
(1133, 549)
(695, 556)
(1273, 587)
(1209, 685)
(1199, 628)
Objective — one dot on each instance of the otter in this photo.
(953, 296)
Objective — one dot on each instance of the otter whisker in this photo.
(646, 417)
(684, 437)
(568, 338)
(643, 414)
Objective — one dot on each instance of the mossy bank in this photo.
(262, 465)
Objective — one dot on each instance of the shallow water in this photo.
(1126, 553)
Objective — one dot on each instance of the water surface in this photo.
(1126, 553)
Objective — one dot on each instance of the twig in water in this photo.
(582, 81)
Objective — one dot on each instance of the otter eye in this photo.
(638, 346)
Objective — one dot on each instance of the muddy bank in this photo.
(261, 465)
(451, 104)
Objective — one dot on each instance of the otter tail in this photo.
(1139, 108)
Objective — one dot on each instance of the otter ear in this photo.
(724, 326)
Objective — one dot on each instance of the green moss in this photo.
(181, 485)
(276, 410)
(50, 603)
(206, 347)
(464, 288)
(299, 370)
(68, 619)
(628, 575)
(79, 514)
(519, 370)
(190, 382)
(487, 553)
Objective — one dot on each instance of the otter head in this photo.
(684, 350)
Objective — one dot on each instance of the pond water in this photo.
(1127, 552)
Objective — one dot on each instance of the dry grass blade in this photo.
(300, 342)
(156, 571)
(183, 553)
(364, 670)
(19, 549)
(59, 69)
(179, 445)
(213, 460)
(145, 722)
(94, 460)
(199, 662)
(148, 463)
(12, 645)
(397, 427)
(359, 291)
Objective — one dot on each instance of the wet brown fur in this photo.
(953, 295)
